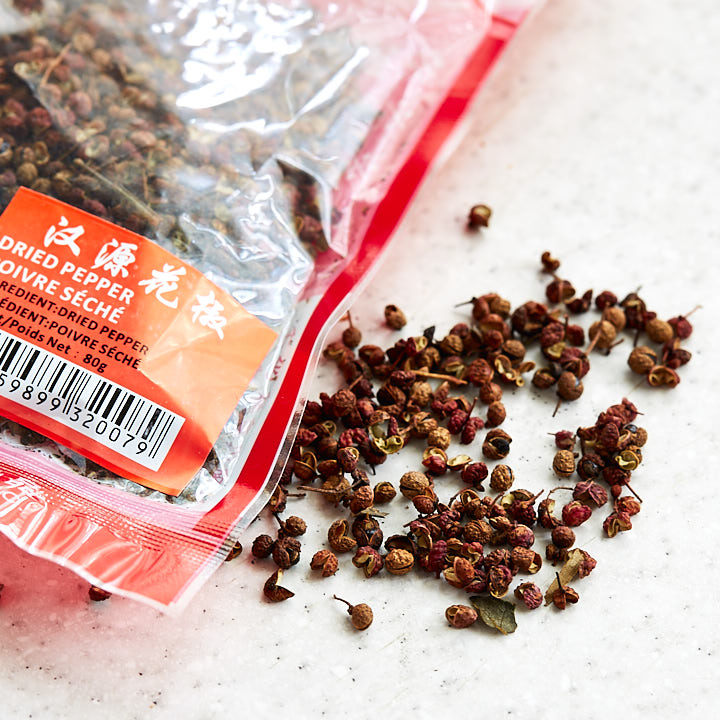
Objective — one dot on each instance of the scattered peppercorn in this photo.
(325, 561)
(461, 616)
(395, 317)
(475, 543)
(478, 217)
(95, 593)
(361, 615)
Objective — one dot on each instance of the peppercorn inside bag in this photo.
(253, 144)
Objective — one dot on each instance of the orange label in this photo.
(114, 347)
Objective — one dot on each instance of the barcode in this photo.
(100, 409)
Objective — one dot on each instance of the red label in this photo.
(115, 347)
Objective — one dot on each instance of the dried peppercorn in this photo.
(470, 429)
(587, 564)
(589, 491)
(660, 375)
(235, 551)
(477, 531)
(439, 438)
(361, 499)
(383, 492)
(616, 522)
(549, 263)
(262, 546)
(555, 555)
(525, 560)
(520, 536)
(273, 591)
(286, 552)
(423, 504)
(395, 317)
(602, 335)
(474, 474)
(413, 483)
(338, 537)
(659, 331)
(459, 573)
(530, 594)
(564, 440)
(628, 504)
(559, 290)
(575, 513)
(325, 561)
(479, 372)
(606, 299)
(369, 560)
(399, 562)
(563, 536)
(95, 593)
(478, 217)
(580, 304)
(361, 615)
(502, 478)
(294, 526)
(499, 580)
(564, 463)
(351, 336)
(490, 392)
(681, 326)
(642, 359)
(564, 595)
(569, 386)
(496, 444)
(461, 616)
(496, 414)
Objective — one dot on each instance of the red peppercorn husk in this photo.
(530, 594)
(575, 513)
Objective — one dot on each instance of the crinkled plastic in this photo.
(272, 146)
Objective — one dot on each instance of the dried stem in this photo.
(629, 487)
(440, 376)
(54, 63)
(139, 206)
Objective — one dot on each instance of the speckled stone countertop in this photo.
(596, 138)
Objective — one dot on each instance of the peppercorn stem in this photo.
(350, 607)
(427, 517)
(143, 209)
(557, 407)
(629, 487)
(54, 63)
(440, 376)
(324, 491)
(593, 343)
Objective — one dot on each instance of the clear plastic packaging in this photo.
(271, 146)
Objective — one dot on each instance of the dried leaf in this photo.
(495, 613)
(568, 571)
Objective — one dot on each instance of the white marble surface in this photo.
(596, 138)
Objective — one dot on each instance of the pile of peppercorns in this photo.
(475, 542)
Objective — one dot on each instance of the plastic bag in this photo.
(269, 147)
